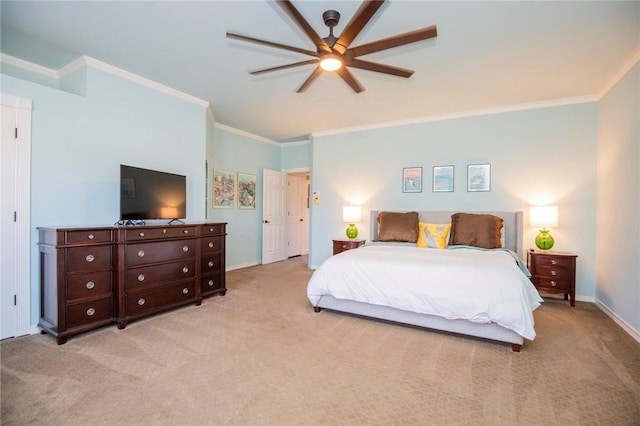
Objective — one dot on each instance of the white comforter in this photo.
(479, 286)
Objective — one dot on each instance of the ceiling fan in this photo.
(334, 53)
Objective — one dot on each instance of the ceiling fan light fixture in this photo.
(331, 62)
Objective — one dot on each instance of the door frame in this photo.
(306, 170)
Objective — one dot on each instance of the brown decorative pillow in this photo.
(402, 227)
(477, 230)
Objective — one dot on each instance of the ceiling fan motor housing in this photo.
(331, 19)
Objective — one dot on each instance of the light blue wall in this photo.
(239, 153)
(78, 144)
(618, 228)
(537, 156)
(295, 155)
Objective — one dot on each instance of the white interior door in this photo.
(274, 185)
(295, 215)
(15, 160)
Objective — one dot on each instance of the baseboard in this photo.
(244, 265)
(622, 323)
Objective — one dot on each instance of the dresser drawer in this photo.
(159, 297)
(79, 314)
(88, 236)
(92, 285)
(553, 273)
(142, 234)
(212, 244)
(212, 229)
(88, 258)
(212, 282)
(150, 276)
(557, 261)
(563, 284)
(161, 251)
(211, 263)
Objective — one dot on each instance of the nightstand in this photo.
(343, 245)
(553, 272)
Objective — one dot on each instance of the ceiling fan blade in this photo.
(304, 25)
(271, 44)
(350, 79)
(395, 41)
(385, 69)
(356, 24)
(314, 75)
(284, 67)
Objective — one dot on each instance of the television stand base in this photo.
(176, 220)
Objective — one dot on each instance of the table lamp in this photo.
(544, 217)
(351, 215)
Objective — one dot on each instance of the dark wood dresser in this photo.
(76, 280)
(553, 272)
(91, 277)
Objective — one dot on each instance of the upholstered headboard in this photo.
(512, 230)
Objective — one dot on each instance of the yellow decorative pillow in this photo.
(433, 235)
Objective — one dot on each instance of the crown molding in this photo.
(245, 134)
(463, 114)
(621, 73)
(296, 143)
(88, 61)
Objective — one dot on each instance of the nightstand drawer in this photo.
(553, 272)
(551, 283)
(343, 245)
(558, 261)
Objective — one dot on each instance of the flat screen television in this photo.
(151, 194)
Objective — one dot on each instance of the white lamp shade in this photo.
(351, 214)
(543, 216)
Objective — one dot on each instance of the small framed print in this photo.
(442, 178)
(479, 177)
(412, 179)
(224, 189)
(246, 191)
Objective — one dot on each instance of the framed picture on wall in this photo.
(479, 177)
(246, 191)
(442, 178)
(412, 179)
(224, 189)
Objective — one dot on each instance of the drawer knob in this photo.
(91, 285)
(91, 312)
(185, 291)
(344, 246)
(210, 229)
(210, 264)
(185, 231)
(554, 273)
(554, 262)
(141, 301)
(210, 283)
(185, 269)
(141, 234)
(210, 245)
(553, 284)
(185, 249)
(164, 231)
(141, 253)
(141, 277)
(90, 236)
(90, 258)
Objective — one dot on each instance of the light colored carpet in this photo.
(261, 356)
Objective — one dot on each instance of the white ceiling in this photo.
(486, 55)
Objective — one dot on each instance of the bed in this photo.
(430, 287)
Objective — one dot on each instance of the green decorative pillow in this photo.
(433, 235)
(477, 230)
(401, 227)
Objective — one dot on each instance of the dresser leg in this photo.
(122, 325)
(61, 340)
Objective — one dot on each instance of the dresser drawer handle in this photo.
(90, 236)
(141, 234)
(91, 312)
(344, 246)
(141, 301)
(185, 249)
(554, 262)
(553, 283)
(90, 258)
(141, 277)
(210, 283)
(554, 273)
(210, 245)
(210, 229)
(185, 291)
(91, 285)
(210, 264)
(185, 269)
(141, 253)
(185, 231)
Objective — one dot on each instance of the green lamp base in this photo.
(352, 231)
(544, 241)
